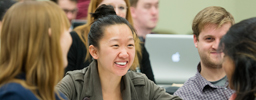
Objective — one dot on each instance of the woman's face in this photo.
(65, 42)
(116, 51)
(119, 6)
(229, 67)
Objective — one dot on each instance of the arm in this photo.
(146, 65)
(67, 87)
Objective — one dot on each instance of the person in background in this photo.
(79, 57)
(69, 6)
(34, 46)
(82, 5)
(112, 43)
(4, 6)
(239, 47)
(145, 16)
(210, 81)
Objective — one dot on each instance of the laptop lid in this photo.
(174, 58)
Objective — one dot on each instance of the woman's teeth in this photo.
(121, 63)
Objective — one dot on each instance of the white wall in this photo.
(245, 9)
(176, 16)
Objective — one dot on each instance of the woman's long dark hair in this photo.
(240, 45)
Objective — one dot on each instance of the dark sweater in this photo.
(77, 54)
(15, 91)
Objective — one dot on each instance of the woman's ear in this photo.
(50, 32)
(93, 51)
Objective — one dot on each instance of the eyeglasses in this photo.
(71, 11)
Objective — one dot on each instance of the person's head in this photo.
(35, 41)
(120, 6)
(145, 13)
(209, 25)
(69, 6)
(111, 41)
(84, 29)
(239, 47)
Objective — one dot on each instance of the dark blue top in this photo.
(15, 91)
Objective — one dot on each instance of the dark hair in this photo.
(104, 16)
(4, 6)
(240, 45)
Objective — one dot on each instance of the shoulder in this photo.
(74, 34)
(11, 91)
(190, 83)
(75, 37)
(77, 43)
(77, 74)
(190, 86)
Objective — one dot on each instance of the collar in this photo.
(93, 89)
(92, 86)
(203, 83)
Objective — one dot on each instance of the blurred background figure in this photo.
(145, 16)
(34, 45)
(239, 47)
(4, 6)
(79, 57)
(69, 7)
(82, 5)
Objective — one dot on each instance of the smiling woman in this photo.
(118, 53)
(78, 55)
(112, 46)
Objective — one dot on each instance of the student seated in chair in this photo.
(210, 82)
(112, 45)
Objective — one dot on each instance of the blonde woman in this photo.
(34, 45)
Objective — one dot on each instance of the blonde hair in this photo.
(28, 47)
(83, 31)
(211, 15)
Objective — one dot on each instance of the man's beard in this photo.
(208, 62)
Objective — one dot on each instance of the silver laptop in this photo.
(174, 58)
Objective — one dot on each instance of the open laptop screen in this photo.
(174, 58)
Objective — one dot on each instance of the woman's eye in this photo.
(130, 45)
(115, 45)
(121, 8)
